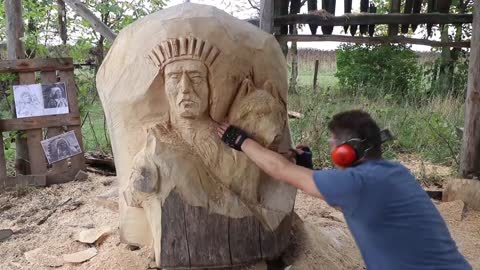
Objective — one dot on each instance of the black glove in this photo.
(234, 137)
(305, 159)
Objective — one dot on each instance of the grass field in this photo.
(428, 131)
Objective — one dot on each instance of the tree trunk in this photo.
(470, 156)
(15, 48)
(99, 53)
(15, 30)
(62, 21)
(90, 17)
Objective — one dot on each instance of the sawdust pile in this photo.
(23, 209)
(320, 237)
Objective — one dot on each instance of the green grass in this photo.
(324, 80)
(427, 131)
(94, 130)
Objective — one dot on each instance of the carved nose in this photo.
(185, 84)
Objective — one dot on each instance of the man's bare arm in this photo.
(280, 168)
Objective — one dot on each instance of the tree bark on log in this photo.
(194, 238)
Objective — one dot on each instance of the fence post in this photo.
(470, 155)
(315, 74)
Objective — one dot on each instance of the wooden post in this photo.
(470, 156)
(312, 6)
(394, 8)
(280, 7)
(417, 7)
(15, 48)
(292, 86)
(329, 6)
(315, 74)
(266, 15)
(364, 8)
(430, 8)
(347, 8)
(407, 9)
(371, 27)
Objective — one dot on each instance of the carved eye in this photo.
(196, 79)
(174, 76)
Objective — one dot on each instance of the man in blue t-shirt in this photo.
(393, 221)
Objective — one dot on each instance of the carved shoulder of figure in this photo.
(144, 178)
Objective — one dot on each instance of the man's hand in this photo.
(276, 165)
(304, 156)
(232, 136)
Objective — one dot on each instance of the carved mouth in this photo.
(187, 102)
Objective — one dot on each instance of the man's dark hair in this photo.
(357, 124)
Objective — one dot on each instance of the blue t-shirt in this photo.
(393, 221)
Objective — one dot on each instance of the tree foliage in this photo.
(378, 70)
(42, 29)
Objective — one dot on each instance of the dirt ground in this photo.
(320, 238)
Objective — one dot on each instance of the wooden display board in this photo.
(37, 128)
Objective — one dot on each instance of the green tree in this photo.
(387, 71)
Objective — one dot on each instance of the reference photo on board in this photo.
(40, 99)
(61, 147)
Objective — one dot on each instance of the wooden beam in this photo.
(32, 65)
(266, 15)
(354, 19)
(372, 40)
(95, 22)
(28, 123)
(78, 161)
(470, 155)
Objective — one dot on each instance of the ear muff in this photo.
(344, 155)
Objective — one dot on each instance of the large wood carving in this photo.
(165, 83)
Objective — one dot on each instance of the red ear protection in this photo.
(344, 155)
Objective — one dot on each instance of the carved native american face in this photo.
(186, 86)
